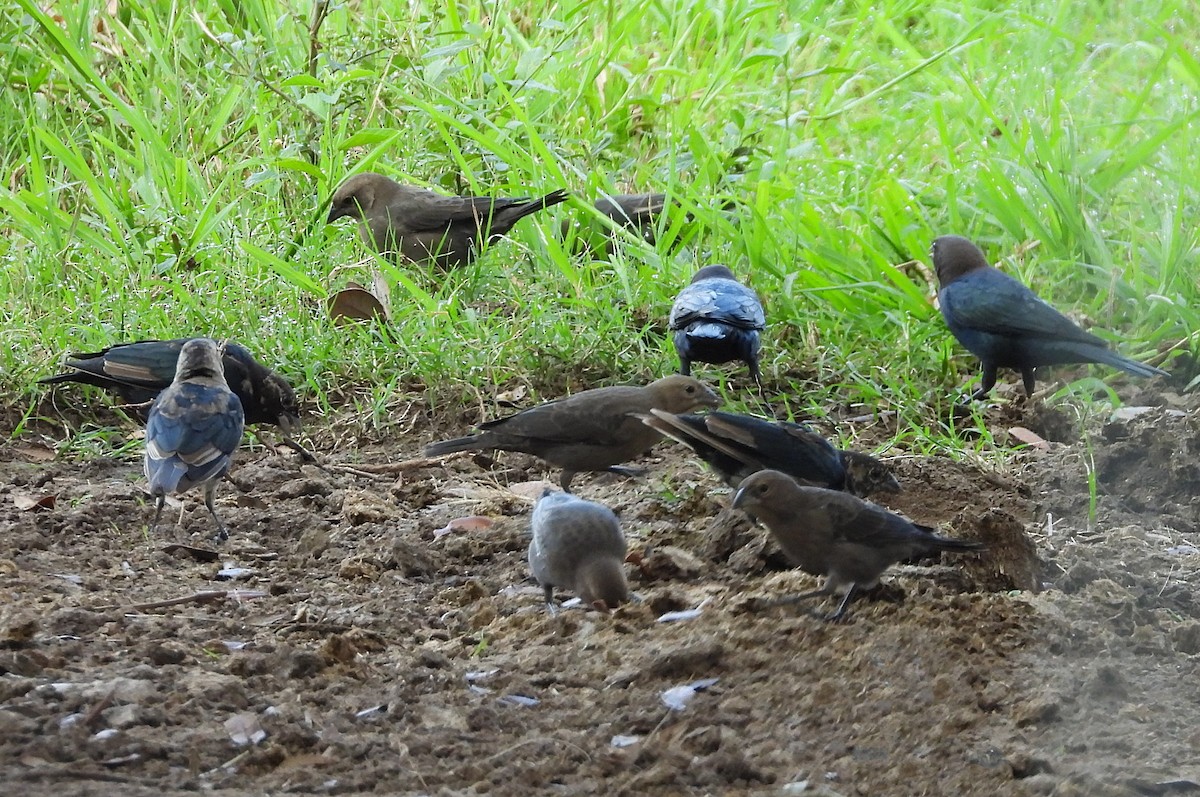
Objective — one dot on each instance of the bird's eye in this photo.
(691, 389)
(763, 488)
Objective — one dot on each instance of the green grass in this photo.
(168, 169)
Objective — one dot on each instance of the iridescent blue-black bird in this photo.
(716, 319)
(1005, 324)
(193, 429)
(137, 372)
(736, 446)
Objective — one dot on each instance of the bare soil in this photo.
(350, 638)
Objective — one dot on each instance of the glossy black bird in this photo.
(422, 226)
(137, 372)
(837, 535)
(716, 319)
(193, 429)
(1005, 324)
(735, 446)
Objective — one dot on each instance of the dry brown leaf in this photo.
(472, 523)
(1029, 437)
(512, 397)
(356, 303)
(34, 453)
(29, 502)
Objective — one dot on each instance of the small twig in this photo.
(320, 11)
(199, 597)
(388, 467)
(93, 713)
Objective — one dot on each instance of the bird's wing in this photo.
(991, 301)
(571, 420)
(632, 208)
(858, 522)
(440, 212)
(722, 300)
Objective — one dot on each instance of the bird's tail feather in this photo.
(1127, 365)
(468, 443)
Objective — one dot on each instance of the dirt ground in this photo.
(350, 638)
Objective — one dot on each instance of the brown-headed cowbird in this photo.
(594, 430)
(837, 535)
(736, 446)
(137, 372)
(421, 226)
(578, 545)
(1005, 324)
(193, 429)
(716, 319)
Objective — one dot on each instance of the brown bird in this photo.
(578, 545)
(736, 446)
(834, 534)
(594, 430)
(421, 226)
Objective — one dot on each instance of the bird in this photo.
(635, 212)
(837, 535)
(594, 430)
(578, 545)
(735, 446)
(716, 319)
(421, 226)
(1006, 325)
(139, 371)
(193, 429)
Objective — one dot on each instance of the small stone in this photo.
(1040, 709)
(1186, 638)
(694, 660)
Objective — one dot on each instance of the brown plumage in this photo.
(636, 212)
(590, 431)
(834, 534)
(578, 545)
(422, 226)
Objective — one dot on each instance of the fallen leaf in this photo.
(356, 303)
(1029, 437)
(472, 523)
(28, 501)
(34, 453)
(511, 397)
(531, 490)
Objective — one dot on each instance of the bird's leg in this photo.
(159, 503)
(564, 481)
(551, 606)
(840, 612)
(685, 366)
(210, 491)
(1029, 382)
(987, 383)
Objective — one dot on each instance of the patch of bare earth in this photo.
(344, 640)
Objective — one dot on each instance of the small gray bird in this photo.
(837, 535)
(1006, 325)
(578, 545)
(421, 226)
(193, 429)
(736, 446)
(716, 319)
(594, 430)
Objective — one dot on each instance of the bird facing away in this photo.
(736, 446)
(1005, 324)
(837, 535)
(578, 545)
(421, 226)
(137, 372)
(193, 429)
(594, 430)
(716, 319)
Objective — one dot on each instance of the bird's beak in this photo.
(892, 485)
(334, 215)
(739, 498)
(289, 423)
